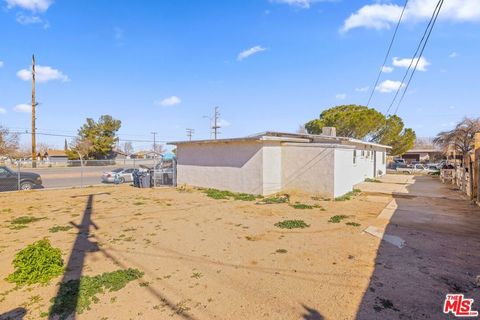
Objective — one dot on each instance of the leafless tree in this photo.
(462, 139)
(8, 142)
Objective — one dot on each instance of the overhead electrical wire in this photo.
(421, 53)
(388, 53)
(421, 46)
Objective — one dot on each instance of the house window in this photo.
(383, 157)
(354, 156)
(362, 153)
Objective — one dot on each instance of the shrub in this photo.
(291, 224)
(37, 263)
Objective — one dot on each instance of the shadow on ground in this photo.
(66, 302)
(442, 255)
(15, 314)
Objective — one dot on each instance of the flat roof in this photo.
(285, 137)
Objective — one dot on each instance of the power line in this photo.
(421, 53)
(388, 53)
(415, 55)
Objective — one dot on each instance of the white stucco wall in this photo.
(235, 166)
(308, 168)
(348, 173)
(272, 167)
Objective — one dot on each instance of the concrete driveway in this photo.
(441, 230)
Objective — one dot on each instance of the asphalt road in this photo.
(65, 177)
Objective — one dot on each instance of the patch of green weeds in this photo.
(372, 180)
(37, 263)
(23, 221)
(301, 206)
(78, 294)
(6, 210)
(224, 195)
(337, 218)
(349, 195)
(139, 203)
(144, 284)
(196, 275)
(291, 224)
(55, 229)
(276, 199)
(353, 224)
(281, 251)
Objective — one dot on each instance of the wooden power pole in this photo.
(34, 104)
(216, 125)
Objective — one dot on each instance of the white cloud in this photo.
(453, 55)
(386, 69)
(23, 107)
(249, 52)
(296, 3)
(42, 74)
(362, 89)
(170, 101)
(389, 86)
(404, 63)
(224, 123)
(32, 5)
(3, 110)
(385, 15)
(341, 96)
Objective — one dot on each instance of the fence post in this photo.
(18, 175)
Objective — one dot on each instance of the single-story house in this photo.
(271, 162)
(423, 155)
(56, 155)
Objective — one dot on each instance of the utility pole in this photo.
(190, 133)
(154, 142)
(34, 104)
(216, 126)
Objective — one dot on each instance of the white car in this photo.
(125, 175)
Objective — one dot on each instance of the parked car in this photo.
(9, 180)
(124, 175)
(418, 168)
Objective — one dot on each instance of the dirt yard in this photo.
(204, 258)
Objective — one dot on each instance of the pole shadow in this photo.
(66, 301)
(15, 314)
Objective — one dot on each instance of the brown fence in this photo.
(466, 179)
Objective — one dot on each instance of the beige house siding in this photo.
(308, 168)
(226, 166)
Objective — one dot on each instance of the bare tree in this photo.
(424, 143)
(301, 129)
(8, 142)
(462, 139)
(128, 148)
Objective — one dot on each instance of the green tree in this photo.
(96, 139)
(365, 123)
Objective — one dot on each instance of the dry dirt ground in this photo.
(217, 259)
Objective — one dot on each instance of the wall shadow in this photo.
(15, 314)
(441, 255)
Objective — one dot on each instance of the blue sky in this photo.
(270, 65)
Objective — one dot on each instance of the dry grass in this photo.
(199, 256)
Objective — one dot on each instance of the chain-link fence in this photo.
(23, 175)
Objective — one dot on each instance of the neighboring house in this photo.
(119, 155)
(56, 156)
(271, 162)
(423, 155)
(146, 155)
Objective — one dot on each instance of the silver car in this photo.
(124, 175)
